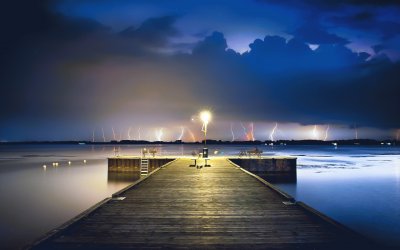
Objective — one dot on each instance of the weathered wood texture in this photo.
(213, 207)
(124, 164)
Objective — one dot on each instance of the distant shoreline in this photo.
(362, 142)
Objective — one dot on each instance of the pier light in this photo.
(205, 117)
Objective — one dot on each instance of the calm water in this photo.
(357, 186)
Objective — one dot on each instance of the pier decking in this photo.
(214, 207)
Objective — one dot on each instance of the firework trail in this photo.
(271, 135)
(326, 133)
(233, 134)
(115, 138)
(182, 133)
(104, 137)
(120, 135)
(139, 134)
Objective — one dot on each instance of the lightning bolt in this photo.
(233, 134)
(192, 135)
(356, 131)
(251, 134)
(94, 130)
(159, 134)
(326, 133)
(129, 133)
(315, 132)
(104, 137)
(182, 132)
(139, 134)
(244, 131)
(271, 135)
(113, 133)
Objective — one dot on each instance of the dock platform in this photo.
(221, 206)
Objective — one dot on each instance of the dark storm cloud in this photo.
(289, 82)
(367, 22)
(329, 4)
(153, 31)
(77, 70)
(314, 34)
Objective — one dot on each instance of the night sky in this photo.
(70, 68)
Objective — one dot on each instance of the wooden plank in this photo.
(214, 207)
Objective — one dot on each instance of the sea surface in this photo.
(357, 186)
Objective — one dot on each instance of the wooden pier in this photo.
(221, 206)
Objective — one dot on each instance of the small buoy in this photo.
(69, 163)
(84, 161)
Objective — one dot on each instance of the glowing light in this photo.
(159, 134)
(326, 133)
(104, 137)
(233, 134)
(271, 135)
(69, 163)
(205, 117)
(44, 167)
(129, 133)
(182, 133)
(115, 138)
(84, 161)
